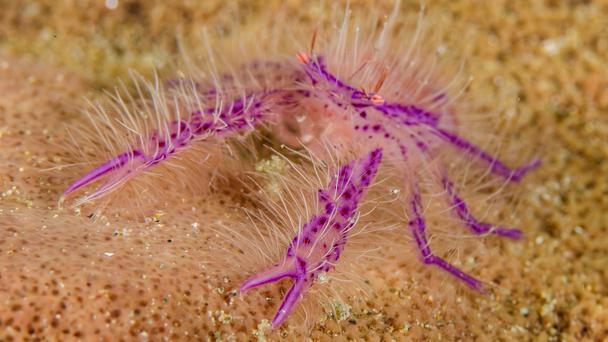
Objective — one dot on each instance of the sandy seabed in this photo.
(63, 277)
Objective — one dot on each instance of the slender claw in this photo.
(116, 171)
(275, 273)
(294, 268)
(520, 172)
(462, 210)
(97, 173)
(471, 281)
(511, 233)
(289, 301)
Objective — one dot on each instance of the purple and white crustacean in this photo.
(319, 99)
(318, 245)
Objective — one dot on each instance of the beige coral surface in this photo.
(66, 277)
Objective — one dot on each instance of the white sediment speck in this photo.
(441, 49)
(547, 309)
(341, 310)
(306, 138)
(108, 254)
(260, 331)
(517, 329)
(143, 336)
(111, 4)
(552, 46)
(322, 277)
(224, 318)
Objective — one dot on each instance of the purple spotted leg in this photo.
(318, 245)
(496, 166)
(418, 229)
(180, 135)
(462, 210)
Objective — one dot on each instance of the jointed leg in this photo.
(459, 205)
(405, 115)
(496, 166)
(462, 210)
(418, 229)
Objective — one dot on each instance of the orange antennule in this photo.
(381, 80)
(303, 58)
(313, 40)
